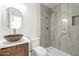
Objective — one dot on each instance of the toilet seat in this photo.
(40, 51)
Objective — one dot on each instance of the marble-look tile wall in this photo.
(66, 44)
(45, 39)
(65, 36)
(55, 27)
(74, 30)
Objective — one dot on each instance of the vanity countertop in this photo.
(4, 43)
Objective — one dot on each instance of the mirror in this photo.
(15, 18)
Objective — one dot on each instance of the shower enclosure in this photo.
(57, 29)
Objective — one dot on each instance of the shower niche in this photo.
(75, 20)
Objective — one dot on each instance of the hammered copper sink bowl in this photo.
(13, 38)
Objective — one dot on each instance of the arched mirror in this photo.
(15, 18)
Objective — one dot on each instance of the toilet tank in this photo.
(35, 42)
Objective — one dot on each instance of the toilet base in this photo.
(39, 51)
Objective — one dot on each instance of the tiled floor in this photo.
(55, 52)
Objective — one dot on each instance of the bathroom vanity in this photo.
(18, 48)
(10, 46)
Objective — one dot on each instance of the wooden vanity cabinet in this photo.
(18, 50)
(22, 50)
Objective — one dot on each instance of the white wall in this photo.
(31, 20)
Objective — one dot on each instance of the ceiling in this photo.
(50, 5)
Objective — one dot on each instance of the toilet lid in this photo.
(40, 50)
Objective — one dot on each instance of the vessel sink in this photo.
(13, 38)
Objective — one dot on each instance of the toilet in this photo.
(38, 50)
